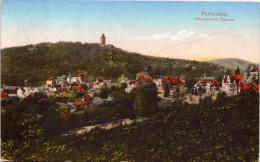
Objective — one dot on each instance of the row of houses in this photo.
(231, 84)
(20, 92)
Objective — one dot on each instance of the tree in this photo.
(104, 92)
(238, 70)
(166, 91)
(123, 86)
(176, 93)
(139, 103)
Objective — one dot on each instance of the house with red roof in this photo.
(86, 98)
(254, 73)
(82, 77)
(174, 84)
(209, 85)
(158, 82)
(99, 83)
(79, 88)
(64, 90)
(50, 82)
(80, 105)
(143, 80)
(84, 103)
(4, 96)
(130, 86)
(171, 82)
(131, 83)
(10, 90)
(58, 87)
(247, 86)
(230, 84)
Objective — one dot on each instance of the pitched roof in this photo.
(123, 78)
(42, 99)
(256, 86)
(100, 80)
(76, 88)
(81, 75)
(254, 69)
(174, 81)
(85, 96)
(50, 79)
(57, 85)
(213, 82)
(237, 78)
(79, 88)
(10, 88)
(78, 103)
(64, 89)
(247, 86)
(146, 79)
(4, 95)
(132, 82)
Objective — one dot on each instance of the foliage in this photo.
(62, 58)
(221, 130)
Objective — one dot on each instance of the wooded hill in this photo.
(36, 63)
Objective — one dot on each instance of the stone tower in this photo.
(102, 40)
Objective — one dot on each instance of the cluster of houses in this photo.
(67, 83)
(21, 92)
(231, 85)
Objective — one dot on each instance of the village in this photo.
(205, 86)
(168, 88)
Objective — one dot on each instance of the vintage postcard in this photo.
(129, 80)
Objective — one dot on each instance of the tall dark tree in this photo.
(238, 70)
(166, 91)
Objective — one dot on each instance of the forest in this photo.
(36, 63)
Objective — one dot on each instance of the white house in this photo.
(107, 82)
(98, 84)
(76, 80)
(20, 93)
(207, 85)
(230, 84)
(26, 91)
(123, 80)
(158, 82)
(50, 82)
(61, 81)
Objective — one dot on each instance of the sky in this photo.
(166, 29)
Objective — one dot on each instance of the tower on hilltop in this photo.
(102, 40)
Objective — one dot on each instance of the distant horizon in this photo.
(184, 30)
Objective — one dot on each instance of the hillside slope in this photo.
(214, 46)
(36, 63)
(232, 63)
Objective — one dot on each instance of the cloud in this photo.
(180, 35)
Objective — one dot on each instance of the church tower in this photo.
(102, 40)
